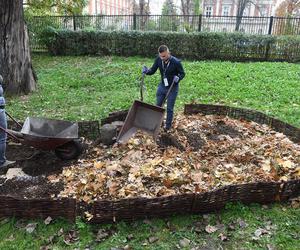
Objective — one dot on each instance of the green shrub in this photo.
(36, 27)
(200, 45)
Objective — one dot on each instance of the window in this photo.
(247, 10)
(225, 10)
(263, 11)
(208, 10)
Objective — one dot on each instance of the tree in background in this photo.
(141, 7)
(241, 6)
(15, 59)
(61, 7)
(288, 8)
(190, 7)
(169, 19)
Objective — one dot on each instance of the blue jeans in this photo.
(160, 96)
(3, 124)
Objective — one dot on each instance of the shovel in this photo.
(143, 116)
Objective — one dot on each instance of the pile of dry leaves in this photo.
(209, 152)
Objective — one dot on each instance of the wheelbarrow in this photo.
(143, 116)
(48, 134)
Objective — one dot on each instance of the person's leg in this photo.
(160, 95)
(3, 124)
(170, 106)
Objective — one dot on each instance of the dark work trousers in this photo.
(160, 96)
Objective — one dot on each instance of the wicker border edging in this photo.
(37, 208)
(134, 208)
(107, 211)
(137, 208)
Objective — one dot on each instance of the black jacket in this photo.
(173, 69)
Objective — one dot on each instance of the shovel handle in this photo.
(141, 87)
(168, 93)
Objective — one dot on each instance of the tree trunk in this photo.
(15, 59)
(241, 6)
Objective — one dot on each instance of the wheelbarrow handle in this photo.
(11, 134)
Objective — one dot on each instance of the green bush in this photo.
(36, 26)
(200, 45)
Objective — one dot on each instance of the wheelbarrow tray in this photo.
(48, 134)
(141, 116)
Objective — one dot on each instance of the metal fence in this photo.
(181, 23)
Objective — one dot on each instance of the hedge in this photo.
(198, 46)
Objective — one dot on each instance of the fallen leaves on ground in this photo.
(30, 228)
(219, 151)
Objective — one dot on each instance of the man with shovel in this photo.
(171, 71)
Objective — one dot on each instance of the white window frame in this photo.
(263, 11)
(225, 10)
(208, 10)
(247, 10)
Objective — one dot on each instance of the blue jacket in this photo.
(2, 100)
(173, 69)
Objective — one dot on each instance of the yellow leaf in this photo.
(155, 161)
(285, 164)
(99, 164)
(100, 178)
(86, 198)
(67, 172)
(113, 169)
(196, 177)
(136, 142)
(112, 187)
(83, 181)
(168, 162)
(266, 166)
(88, 216)
(283, 178)
(230, 176)
(297, 172)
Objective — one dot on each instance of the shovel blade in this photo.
(141, 116)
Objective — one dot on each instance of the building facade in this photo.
(262, 8)
(219, 15)
(109, 7)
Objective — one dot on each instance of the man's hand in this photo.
(144, 70)
(176, 79)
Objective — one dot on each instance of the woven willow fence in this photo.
(134, 208)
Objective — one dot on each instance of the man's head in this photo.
(164, 53)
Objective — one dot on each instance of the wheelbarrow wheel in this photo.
(69, 151)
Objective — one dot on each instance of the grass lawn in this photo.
(88, 88)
